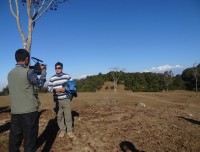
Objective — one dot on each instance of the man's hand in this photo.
(60, 89)
(43, 66)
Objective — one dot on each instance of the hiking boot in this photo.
(62, 133)
(71, 135)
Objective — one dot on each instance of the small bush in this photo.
(112, 87)
(5, 91)
(106, 87)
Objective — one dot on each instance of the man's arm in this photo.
(38, 82)
(50, 86)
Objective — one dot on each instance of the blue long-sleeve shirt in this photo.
(33, 78)
(38, 82)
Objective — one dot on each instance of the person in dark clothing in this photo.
(22, 84)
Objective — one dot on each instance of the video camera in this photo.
(37, 65)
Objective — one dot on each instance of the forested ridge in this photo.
(146, 81)
(139, 82)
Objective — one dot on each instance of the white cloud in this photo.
(164, 68)
(82, 76)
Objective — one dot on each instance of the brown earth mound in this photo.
(108, 87)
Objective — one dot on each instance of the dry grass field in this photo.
(113, 122)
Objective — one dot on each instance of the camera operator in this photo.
(24, 103)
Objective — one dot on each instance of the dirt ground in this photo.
(115, 122)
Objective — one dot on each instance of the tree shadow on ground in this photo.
(127, 146)
(41, 111)
(5, 109)
(190, 120)
(5, 127)
(48, 136)
(74, 115)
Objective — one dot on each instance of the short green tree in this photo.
(195, 74)
(116, 73)
(168, 77)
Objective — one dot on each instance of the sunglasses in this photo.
(58, 68)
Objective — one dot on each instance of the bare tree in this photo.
(116, 73)
(168, 75)
(34, 9)
(195, 73)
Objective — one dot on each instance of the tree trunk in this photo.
(115, 86)
(30, 27)
(196, 85)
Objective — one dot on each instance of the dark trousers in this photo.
(24, 126)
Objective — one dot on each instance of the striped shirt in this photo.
(56, 81)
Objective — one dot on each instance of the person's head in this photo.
(58, 67)
(22, 56)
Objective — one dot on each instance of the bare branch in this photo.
(36, 12)
(11, 9)
(43, 2)
(39, 13)
(18, 23)
(35, 9)
(43, 11)
(30, 26)
(28, 8)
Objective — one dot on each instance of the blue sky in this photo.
(92, 36)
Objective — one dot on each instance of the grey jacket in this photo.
(21, 91)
